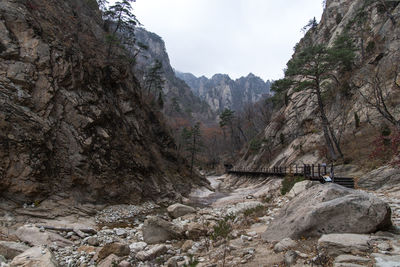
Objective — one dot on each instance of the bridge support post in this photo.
(319, 170)
(312, 172)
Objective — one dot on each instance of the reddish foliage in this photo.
(31, 6)
(387, 148)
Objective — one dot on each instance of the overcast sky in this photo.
(234, 37)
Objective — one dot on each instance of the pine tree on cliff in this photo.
(312, 69)
(124, 21)
(154, 79)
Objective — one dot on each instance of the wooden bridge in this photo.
(309, 172)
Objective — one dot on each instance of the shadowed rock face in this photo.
(72, 124)
(329, 208)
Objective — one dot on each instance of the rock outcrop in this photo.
(72, 122)
(385, 177)
(329, 208)
(221, 92)
(178, 210)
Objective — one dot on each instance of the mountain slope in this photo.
(72, 123)
(222, 92)
(295, 133)
(180, 100)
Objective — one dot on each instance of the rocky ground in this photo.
(235, 225)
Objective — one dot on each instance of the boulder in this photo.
(118, 249)
(156, 230)
(34, 237)
(329, 208)
(290, 257)
(137, 246)
(151, 253)
(93, 241)
(195, 230)
(178, 210)
(285, 244)
(110, 260)
(34, 257)
(338, 244)
(11, 249)
(300, 187)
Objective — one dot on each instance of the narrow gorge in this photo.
(109, 156)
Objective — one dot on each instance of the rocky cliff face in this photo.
(295, 133)
(180, 100)
(222, 92)
(73, 124)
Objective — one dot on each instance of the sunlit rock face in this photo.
(72, 123)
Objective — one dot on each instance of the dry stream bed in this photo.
(223, 227)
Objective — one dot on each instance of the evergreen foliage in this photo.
(154, 82)
(191, 137)
(313, 68)
(123, 23)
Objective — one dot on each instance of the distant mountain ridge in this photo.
(222, 92)
(179, 99)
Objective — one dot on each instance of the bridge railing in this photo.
(306, 170)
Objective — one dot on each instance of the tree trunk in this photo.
(325, 124)
(193, 153)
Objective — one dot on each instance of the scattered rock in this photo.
(109, 261)
(382, 260)
(118, 249)
(137, 246)
(88, 249)
(195, 230)
(285, 244)
(12, 249)
(187, 245)
(120, 232)
(242, 206)
(124, 264)
(173, 261)
(329, 208)
(34, 257)
(93, 241)
(2, 259)
(178, 210)
(337, 244)
(246, 238)
(290, 257)
(384, 246)
(152, 253)
(351, 259)
(156, 230)
(34, 237)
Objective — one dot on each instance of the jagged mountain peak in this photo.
(220, 91)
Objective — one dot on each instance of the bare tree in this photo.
(377, 91)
